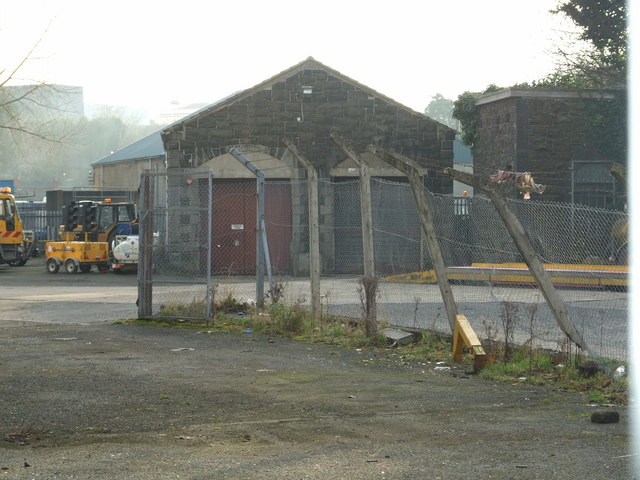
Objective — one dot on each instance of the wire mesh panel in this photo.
(492, 285)
(173, 274)
(44, 224)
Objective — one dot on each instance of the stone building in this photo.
(304, 104)
(551, 133)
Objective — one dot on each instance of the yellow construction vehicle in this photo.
(15, 243)
(88, 234)
(76, 256)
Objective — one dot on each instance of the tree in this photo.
(595, 58)
(597, 53)
(441, 110)
(21, 104)
(36, 124)
(466, 112)
(45, 139)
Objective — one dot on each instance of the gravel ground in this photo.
(106, 401)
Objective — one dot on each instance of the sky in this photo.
(147, 54)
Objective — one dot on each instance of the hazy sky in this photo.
(144, 54)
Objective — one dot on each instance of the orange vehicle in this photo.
(89, 233)
(76, 256)
(15, 243)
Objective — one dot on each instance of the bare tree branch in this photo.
(27, 57)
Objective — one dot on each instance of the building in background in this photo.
(559, 136)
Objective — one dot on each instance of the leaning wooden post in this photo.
(524, 246)
(369, 280)
(412, 171)
(314, 226)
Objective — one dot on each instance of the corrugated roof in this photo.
(461, 152)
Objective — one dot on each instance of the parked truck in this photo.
(15, 243)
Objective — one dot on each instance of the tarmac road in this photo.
(31, 294)
(84, 398)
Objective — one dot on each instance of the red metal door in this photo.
(277, 215)
(234, 226)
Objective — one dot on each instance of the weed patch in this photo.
(524, 364)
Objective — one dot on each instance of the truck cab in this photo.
(12, 237)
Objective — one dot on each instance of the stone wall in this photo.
(281, 109)
(540, 131)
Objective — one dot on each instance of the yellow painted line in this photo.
(518, 273)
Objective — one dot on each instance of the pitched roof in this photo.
(147, 147)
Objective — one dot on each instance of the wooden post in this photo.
(314, 227)
(524, 246)
(412, 171)
(619, 172)
(145, 266)
(367, 230)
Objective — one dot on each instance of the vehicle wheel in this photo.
(102, 268)
(70, 266)
(85, 268)
(17, 263)
(52, 266)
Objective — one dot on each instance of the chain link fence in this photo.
(206, 237)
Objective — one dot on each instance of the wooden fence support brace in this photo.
(523, 244)
(314, 234)
(412, 171)
(463, 335)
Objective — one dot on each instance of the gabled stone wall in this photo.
(284, 108)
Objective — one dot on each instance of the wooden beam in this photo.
(411, 169)
(367, 227)
(524, 246)
(464, 335)
(619, 172)
(314, 227)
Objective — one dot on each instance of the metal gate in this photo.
(193, 228)
(175, 216)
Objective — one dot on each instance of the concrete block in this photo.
(398, 337)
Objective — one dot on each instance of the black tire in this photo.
(17, 263)
(70, 266)
(85, 267)
(52, 266)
